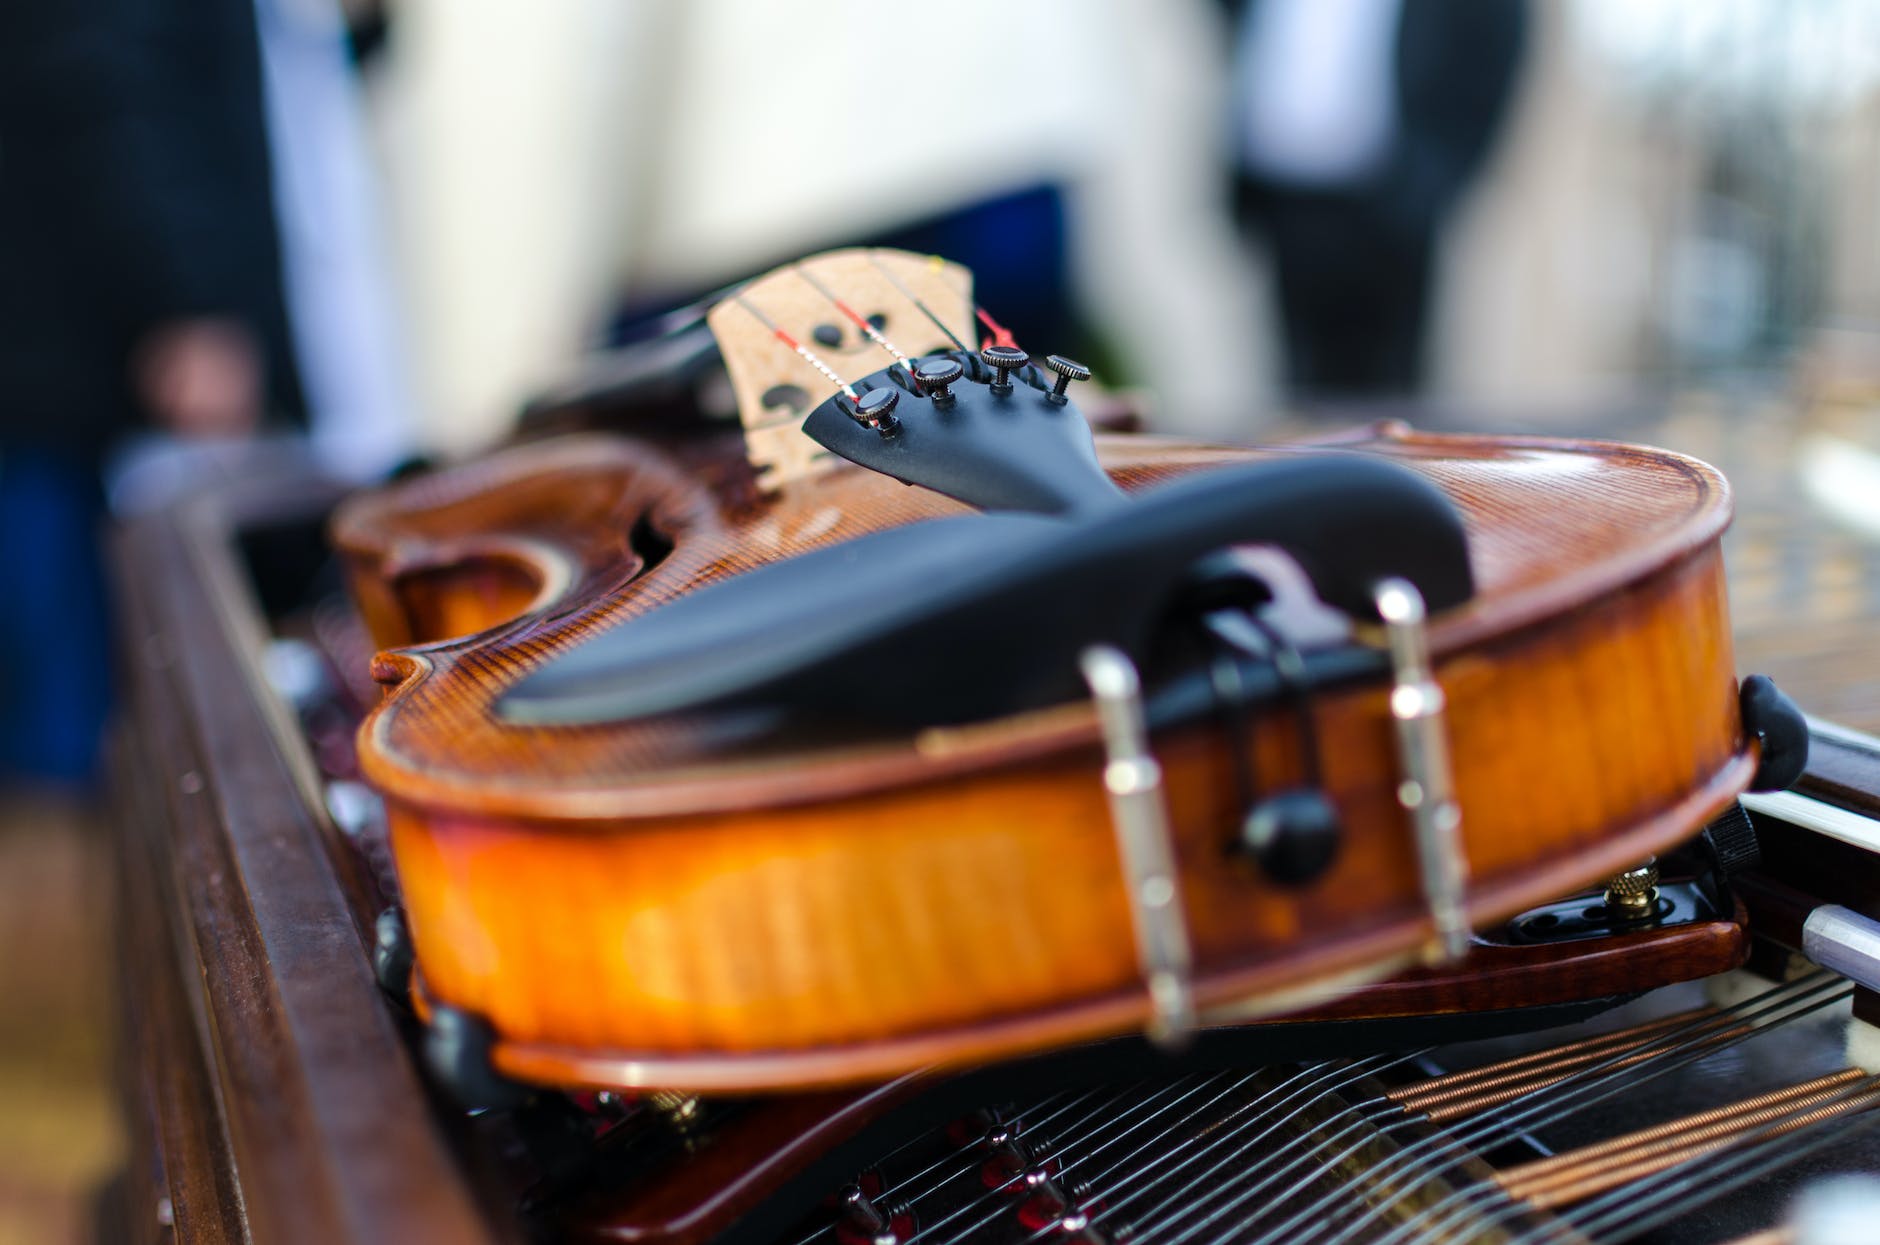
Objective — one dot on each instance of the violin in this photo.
(942, 731)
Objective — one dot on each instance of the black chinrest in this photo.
(966, 618)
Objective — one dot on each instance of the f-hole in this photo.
(648, 543)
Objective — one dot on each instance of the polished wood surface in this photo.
(271, 1093)
(644, 905)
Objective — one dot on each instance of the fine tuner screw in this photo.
(1004, 360)
(934, 373)
(1067, 371)
(876, 409)
(1633, 894)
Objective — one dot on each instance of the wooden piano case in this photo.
(272, 1090)
(269, 1093)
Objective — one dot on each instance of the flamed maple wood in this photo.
(649, 904)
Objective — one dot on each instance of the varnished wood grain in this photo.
(288, 1107)
(827, 913)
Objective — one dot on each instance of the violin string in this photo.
(1182, 1198)
(1424, 1160)
(857, 319)
(1001, 336)
(808, 356)
(922, 307)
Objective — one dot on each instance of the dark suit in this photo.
(134, 191)
(1353, 263)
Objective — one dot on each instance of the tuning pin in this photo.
(934, 373)
(876, 409)
(1067, 371)
(1004, 360)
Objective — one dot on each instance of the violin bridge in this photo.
(1133, 780)
(794, 336)
(1426, 787)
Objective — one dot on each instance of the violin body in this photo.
(700, 900)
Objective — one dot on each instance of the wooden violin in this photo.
(798, 775)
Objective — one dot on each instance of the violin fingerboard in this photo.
(913, 296)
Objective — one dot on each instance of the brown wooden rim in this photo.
(1383, 950)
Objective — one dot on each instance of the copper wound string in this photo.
(1475, 1200)
(1679, 1048)
(1705, 1177)
(1423, 1160)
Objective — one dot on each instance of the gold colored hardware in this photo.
(679, 1110)
(1632, 895)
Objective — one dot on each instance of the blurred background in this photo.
(373, 229)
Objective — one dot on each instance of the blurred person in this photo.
(341, 307)
(1358, 126)
(141, 289)
(345, 336)
(1062, 147)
